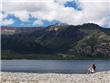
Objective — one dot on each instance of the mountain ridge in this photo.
(90, 40)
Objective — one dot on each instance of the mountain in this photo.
(59, 41)
(13, 30)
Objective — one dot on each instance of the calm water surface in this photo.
(53, 66)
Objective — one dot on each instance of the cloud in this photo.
(3, 16)
(6, 22)
(38, 23)
(22, 15)
(105, 21)
(95, 11)
(62, 2)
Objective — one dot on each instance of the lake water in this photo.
(53, 66)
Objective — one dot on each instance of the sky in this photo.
(33, 13)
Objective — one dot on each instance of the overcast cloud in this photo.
(92, 11)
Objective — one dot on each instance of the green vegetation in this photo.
(7, 55)
(88, 41)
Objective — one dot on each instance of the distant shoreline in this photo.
(63, 59)
(50, 57)
(98, 77)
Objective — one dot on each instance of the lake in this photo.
(53, 66)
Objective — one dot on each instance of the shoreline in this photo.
(98, 77)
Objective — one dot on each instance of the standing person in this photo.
(94, 67)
